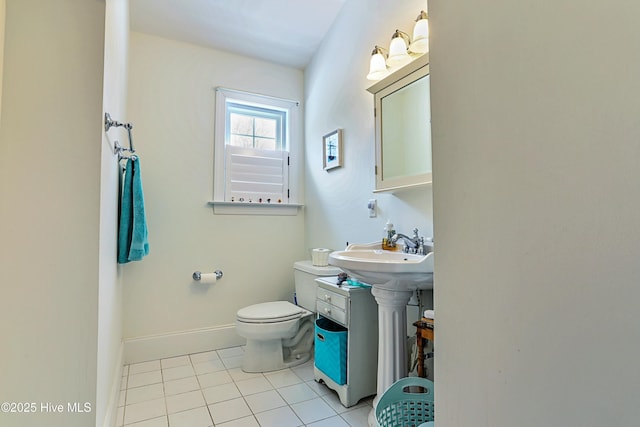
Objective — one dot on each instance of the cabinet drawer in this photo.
(332, 298)
(332, 312)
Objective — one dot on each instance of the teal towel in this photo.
(133, 242)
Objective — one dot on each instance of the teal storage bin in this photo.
(331, 350)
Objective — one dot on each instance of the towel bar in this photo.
(118, 149)
(109, 123)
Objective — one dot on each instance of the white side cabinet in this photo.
(354, 308)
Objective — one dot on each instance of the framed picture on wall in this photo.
(332, 149)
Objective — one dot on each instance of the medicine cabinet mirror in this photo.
(403, 127)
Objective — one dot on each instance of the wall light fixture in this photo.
(401, 50)
(377, 65)
(420, 42)
(398, 53)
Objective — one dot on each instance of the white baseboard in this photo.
(111, 411)
(153, 347)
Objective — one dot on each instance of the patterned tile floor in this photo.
(209, 389)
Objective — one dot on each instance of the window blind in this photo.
(256, 176)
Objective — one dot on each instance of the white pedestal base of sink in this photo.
(392, 339)
(371, 419)
(392, 335)
(394, 275)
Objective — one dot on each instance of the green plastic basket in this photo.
(400, 406)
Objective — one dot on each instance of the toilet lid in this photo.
(269, 312)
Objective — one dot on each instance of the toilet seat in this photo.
(270, 312)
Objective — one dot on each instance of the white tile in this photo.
(265, 401)
(181, 385)
(331, 422)
(368, 400)
(155, 422)
(305, 371)
(208, 366)
(283, 378)
(253, 386)
(229, 410)
(214, 378)
(357, 417)
(333, 400)
(319, 388)
(146, 378)
(280, 417)
(221, 393)
(177, 372)
(238, 374)
(198, 417)
(230, 352)
(172, 362)
(297, 393)
(138, 368)
(313, 410)
(232, 362)
(144, 411)
(184, 401)
(144, 393)
(204, 356)
(241, 422)
(193, 381)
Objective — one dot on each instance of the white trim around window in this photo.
(226, 174)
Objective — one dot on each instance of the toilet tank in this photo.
(305, 275)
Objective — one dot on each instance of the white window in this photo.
(256, 145)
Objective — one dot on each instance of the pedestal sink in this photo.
(393, 277)
(369, 263)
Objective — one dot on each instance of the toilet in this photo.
(280, 334)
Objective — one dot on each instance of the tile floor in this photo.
(209, 389)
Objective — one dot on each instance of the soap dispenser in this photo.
(389, 232)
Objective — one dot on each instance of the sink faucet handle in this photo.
(415, 233)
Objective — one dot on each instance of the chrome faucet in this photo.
(412, 245)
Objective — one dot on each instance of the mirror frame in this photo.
(400, 78)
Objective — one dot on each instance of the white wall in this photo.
(171, 105)
(49, 210)
(336, 97)
(110, 357)
(536, 195)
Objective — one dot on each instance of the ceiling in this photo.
(286, 32)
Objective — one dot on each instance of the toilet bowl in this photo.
(280, 334)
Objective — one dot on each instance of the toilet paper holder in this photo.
(198, 275)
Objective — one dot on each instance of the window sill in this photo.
(239, 208)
